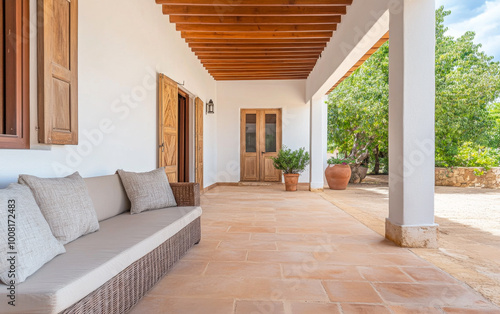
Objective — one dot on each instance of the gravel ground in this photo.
(469, 225)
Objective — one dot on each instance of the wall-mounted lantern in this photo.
(210, 107)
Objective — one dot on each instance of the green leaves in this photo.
(474, 155)
(467, 85)
(291, 162)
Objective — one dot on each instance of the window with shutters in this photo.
(14, 78)
(58, 72)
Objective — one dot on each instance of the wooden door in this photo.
(260, 140)
(168, 127)
(199, 109)
(270, 139)
(250, 146)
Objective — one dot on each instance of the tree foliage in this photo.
(467, 84)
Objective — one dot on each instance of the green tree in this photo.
(358, 110)
(467, 83)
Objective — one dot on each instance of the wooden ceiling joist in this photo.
(252, 10)
(258, 20)
(256, 39)
(256, 28)
(257, 2)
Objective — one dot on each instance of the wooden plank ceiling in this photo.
(256, 39)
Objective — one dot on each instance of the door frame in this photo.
(260, 155)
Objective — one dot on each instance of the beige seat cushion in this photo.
(95, 258)
(31, 239)
(66, 205)
(147, 190)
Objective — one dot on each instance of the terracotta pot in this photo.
(291, 181)
(338, 176)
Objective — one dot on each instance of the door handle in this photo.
(263, 153)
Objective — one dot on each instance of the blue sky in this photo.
(480, 16)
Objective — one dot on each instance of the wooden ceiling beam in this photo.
(263, 71)
(258, 66)
(257, 2)
(256, 55)
(257, 40)
(258, 46)
(256, 78)
(256, 35)
(261, 61)
(253, 10)
(255, 50)
(260, 20)
(255, 28)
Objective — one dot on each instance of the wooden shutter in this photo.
(199, 141)
(58, 71)
(168, 126)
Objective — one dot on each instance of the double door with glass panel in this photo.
(260, 140)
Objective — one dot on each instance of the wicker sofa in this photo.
(109, 271)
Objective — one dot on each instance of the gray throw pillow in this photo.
(66, 205)
(26, 242)
(147, 190)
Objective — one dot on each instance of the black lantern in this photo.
(210, 107)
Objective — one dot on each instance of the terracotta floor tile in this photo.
(183, 306)
(259, 307)
(364, 309)
(384, 274)
(243, 269)
(248, 245)
(240, 288)
(429, 294)
(450, 310)
(300, 230)
(327, 259)
(189, 268)
(224, 236)
(414, 309)
(314, 308)
(322, 272)
(280, 257)
(251, 229)
(216, 255)
(306, 246)
(429, 275)
(351, 291)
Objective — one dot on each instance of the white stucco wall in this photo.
(236, 95)
(122, 45)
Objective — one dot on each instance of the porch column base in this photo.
(412, 236)
(316, 187)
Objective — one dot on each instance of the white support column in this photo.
(411, 124)
(318, 142)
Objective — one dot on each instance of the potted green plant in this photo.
(292, 163)
(338, 172)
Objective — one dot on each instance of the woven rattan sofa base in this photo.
(123, 291)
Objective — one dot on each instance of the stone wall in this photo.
(465, 177)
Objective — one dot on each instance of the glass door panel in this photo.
(271, 128)
(251, 133)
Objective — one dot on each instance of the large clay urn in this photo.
(291, 181)
(338, 176)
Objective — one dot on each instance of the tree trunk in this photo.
(376, 169)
